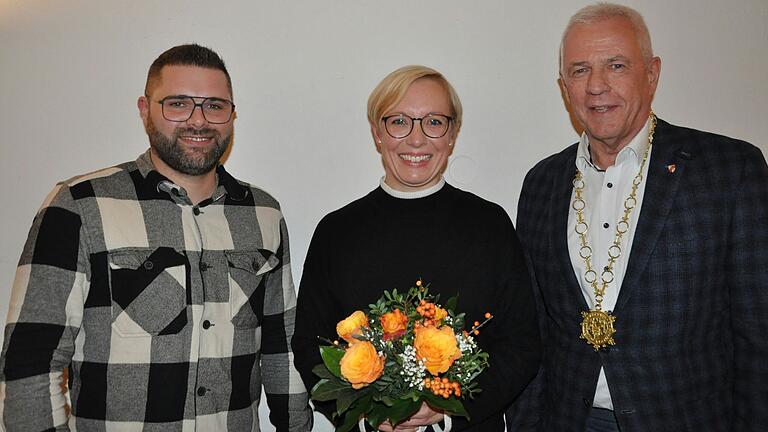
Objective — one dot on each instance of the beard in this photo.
(193, 162)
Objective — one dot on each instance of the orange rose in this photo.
(440, 314)
(361, 364)
(350, 326)
(437, 347)
(394, 324)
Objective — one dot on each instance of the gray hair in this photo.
(602, 11)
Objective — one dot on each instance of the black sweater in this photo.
(453, 240)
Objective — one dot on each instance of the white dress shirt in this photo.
(604, 194)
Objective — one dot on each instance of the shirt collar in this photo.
(632, 152)
(415, 194)
(151, 180)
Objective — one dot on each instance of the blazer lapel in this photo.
(667, 167)
(560, 203)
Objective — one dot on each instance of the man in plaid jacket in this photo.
(162, 285)
(648, 244)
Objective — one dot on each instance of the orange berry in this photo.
(476, 332)
(418, 283)
(445, 380)
(476, 323)
(488, 315)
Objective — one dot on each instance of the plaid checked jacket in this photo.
(692, 313)
(169, 316)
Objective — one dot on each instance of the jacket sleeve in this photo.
(44, 317)
(525, 413)
(746, 269)
(512, 341)
(286, 396)
(313, 314)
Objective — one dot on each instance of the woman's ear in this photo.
(376, 138)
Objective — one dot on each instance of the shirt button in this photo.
(196, 211)
(610, 185)
(606, 225)
(201, 391)
(206, 324)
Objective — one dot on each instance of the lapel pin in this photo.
(671, 168)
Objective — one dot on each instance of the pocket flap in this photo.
(128, 258)
(255, 261)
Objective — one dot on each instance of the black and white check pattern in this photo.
(169, 316)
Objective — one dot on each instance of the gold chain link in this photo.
(581, 227)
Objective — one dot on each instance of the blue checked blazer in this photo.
(691, 349)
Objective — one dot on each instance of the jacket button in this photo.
(204, 266)
(196, 210)
(207, 324)
(149, 265)
(201, 391)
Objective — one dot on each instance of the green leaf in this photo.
(331, 357)
(376, 415)
(353, 415)
(346, 400)
(322, 371)
(402, 409)
(451, 303)
(327, 390)
(350, 421)
(451, 406)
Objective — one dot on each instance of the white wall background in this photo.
(71, 71)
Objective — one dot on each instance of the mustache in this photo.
(206, 132)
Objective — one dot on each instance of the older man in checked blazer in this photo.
(163, 284)
(648, 245)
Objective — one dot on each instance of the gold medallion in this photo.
(597, 328)
(597, 325)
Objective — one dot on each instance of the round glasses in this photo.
(433, 125)
(179, 108)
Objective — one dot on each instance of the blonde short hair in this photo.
(393, 87)
(602, 11)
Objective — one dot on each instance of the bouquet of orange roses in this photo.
(407, 349)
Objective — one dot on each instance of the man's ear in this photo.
(143, 105)
(654, 71)
(564, 89)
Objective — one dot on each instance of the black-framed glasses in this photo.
(433, 125)
(179, 108)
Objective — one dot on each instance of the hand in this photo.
(425, 416)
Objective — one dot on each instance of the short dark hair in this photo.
(186, 55)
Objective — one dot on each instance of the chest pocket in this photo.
(247, 279)
(149, 291)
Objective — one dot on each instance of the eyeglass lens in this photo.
(180, 109)
(433, 125)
